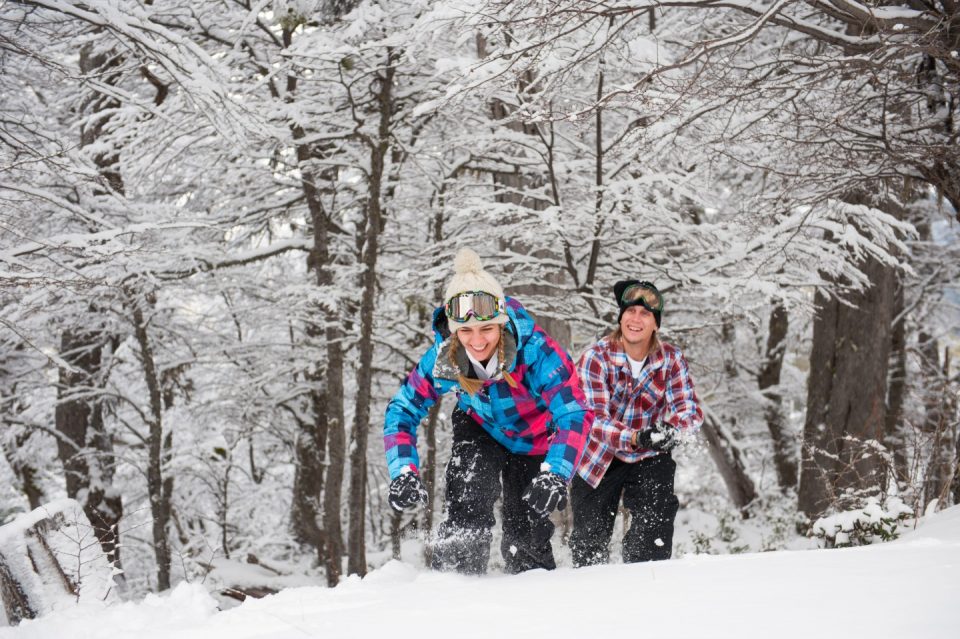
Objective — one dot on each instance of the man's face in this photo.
(638, 326)
(480, 341)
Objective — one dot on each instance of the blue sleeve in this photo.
(404, 413)
(558, 385)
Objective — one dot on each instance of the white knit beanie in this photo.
(468, 275)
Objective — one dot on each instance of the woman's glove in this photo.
(407, 492)
(547, 492)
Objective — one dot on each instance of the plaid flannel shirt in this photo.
(622, 405)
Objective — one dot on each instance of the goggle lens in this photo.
(477, 304)
(645, 294)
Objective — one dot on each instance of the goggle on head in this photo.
(643, 294)
(477, 305)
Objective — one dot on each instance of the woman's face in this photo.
(480, 341)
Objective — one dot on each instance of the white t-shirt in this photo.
(636, 366)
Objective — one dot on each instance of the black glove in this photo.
(407, 492)
(547, 492)
(661, 438)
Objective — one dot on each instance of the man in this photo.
(644, 402)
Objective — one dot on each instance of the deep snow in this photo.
(906, 588)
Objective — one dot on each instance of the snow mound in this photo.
(908, 588)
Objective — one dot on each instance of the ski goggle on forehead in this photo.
(645, 294)
(476, 304)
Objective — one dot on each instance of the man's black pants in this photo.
(647, 491)
(477, 466)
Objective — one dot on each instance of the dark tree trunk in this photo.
(24, 472)
(939, 425)
(722, 445)
(894, 426)
(356, 535)
(102, 506)
(784, 456)
(106, 66)
(336, 458)
(159, 446)
(309, 455)
(12, 408)
(328, 398)
(321, 447)
(428, 471)
(27, 476)
(515, 187)
(726, 456)
(955, 484)
(305, 508)
(846, 394)
(84, 449)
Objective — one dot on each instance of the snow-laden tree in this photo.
(226, 226)
(806, 118)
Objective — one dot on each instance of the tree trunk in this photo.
(356, 537)
(955, 484)
(106, 67)
(939, 425)
(722, 447)
(17, 436)
(894, 429)
(428, 471)
(514, 188)
(846, 395)
(726, 456)
(84, 449)
(327, 435)
(24, 472)
(305, 508)
(336, 456)
(159, 446)
(769, 381)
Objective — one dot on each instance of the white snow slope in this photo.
(907, 588)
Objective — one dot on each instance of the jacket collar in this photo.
(618, 356)
(445, 369)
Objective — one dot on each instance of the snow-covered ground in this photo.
(909, 588)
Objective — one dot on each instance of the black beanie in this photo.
(618, 290)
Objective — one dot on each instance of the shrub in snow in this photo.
(872, 523)
(725, 539)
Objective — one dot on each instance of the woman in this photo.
(520, 420)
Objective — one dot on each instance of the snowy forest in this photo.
(224, 226)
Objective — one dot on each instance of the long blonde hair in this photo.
(617, 334)
(470, 384)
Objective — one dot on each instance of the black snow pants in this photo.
(647, 491)
(478, 464)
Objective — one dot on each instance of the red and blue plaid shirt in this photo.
(623, 405)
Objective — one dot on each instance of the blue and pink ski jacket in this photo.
(545, 414)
